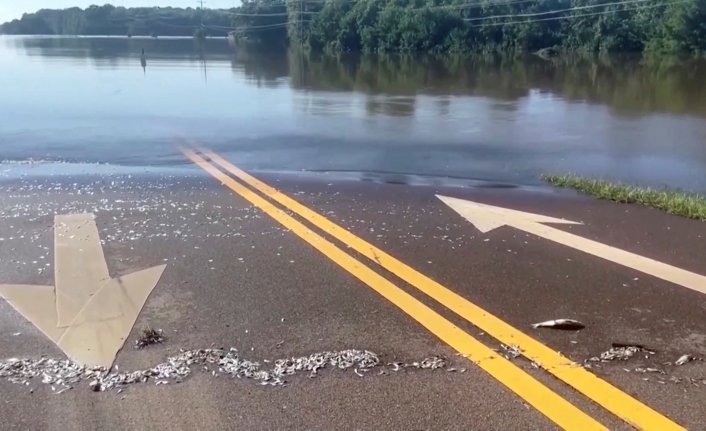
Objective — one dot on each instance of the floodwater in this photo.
(85, 101)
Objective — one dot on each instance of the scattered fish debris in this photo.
(648, 370)
(511, 352)
(693, 381)
(684, 359)
(639, 346)
(177, 368)
(432, 363)
(620, 352)
(149, 336)
(566, 324)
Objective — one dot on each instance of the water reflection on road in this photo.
(502, 120)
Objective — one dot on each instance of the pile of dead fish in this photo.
(64, 374)
(620, 352)
(148, 337)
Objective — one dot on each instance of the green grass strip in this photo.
(688, 205)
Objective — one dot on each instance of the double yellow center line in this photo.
(553, 406)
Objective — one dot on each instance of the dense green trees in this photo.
(661, 26)
(592, 26)
(261, 22)
(110, 20)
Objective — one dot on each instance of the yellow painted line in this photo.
(554, 407)
(608, 396)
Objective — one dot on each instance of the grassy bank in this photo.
(674, 202)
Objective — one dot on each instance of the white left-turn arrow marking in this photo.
(87, 314)
(487, 217)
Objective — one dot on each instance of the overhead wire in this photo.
(274, 14)
(551, 12)
(543, 13)
(273, 26)
(479, 21)
(457, 6)
(573, 16)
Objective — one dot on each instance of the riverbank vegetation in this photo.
(109, 20)
(673, 202)
(511, 26)
(441, 26)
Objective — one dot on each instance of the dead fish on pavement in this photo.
(95, 385)
(648, 370)
(683, 359)
(395, 365)
(149, 336)
(620, 352)
(511, 352)
(568, 324)
(64, 372)
(432, 363)
(639, 346)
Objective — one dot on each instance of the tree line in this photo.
(109, 20)
(439, 26)
(658, 26)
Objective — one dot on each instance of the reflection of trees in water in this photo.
(323, 105)
(627, 85)
(265, 68)
(392, 106)
(114, 51)
(443, 106)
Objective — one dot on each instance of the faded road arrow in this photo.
(87, 314)
(486, 218)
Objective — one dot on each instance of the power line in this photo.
(481, 20)
(275, 14)
(473, 5)
(424, 8)
(555, 11)
(530, 21)
(311, 13)
(262, 27)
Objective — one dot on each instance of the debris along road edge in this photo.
(598, 390)
(212, 361)
(87, 314)
(487, 217)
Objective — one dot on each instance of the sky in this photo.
(11, 9)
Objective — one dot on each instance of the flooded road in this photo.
(98, 100)
(166, 190)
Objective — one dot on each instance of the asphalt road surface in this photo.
(240, 274)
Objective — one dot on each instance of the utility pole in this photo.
(201, 2)
(301, 21)
(202, 34)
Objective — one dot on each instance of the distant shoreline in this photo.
(420, 26)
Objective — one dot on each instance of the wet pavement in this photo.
(356, 139)
(237, 278)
